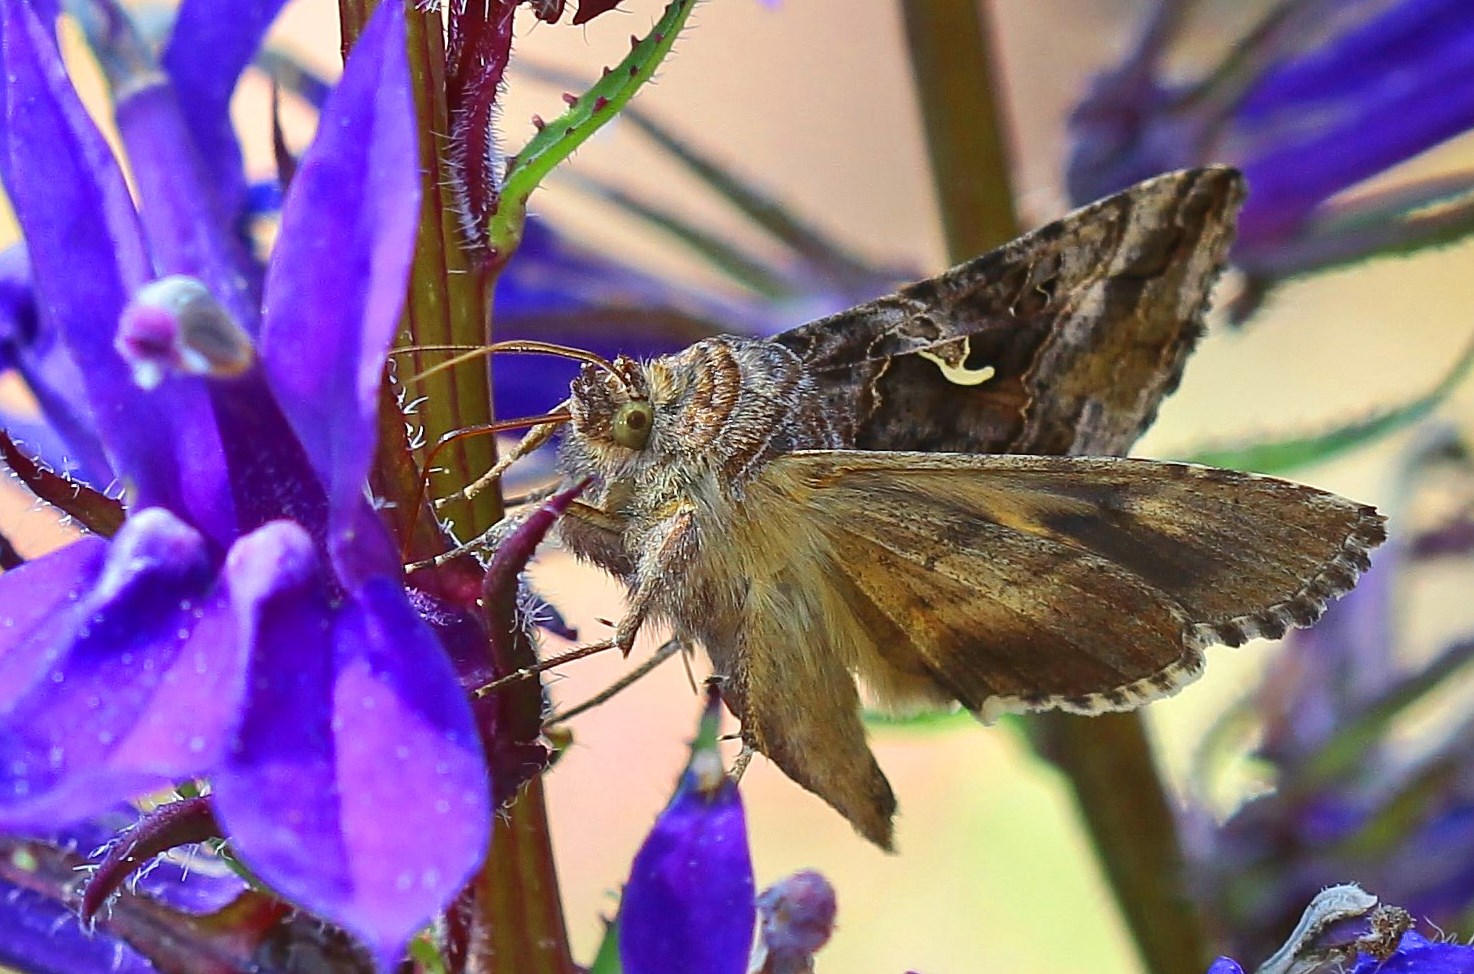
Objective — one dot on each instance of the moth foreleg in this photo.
(665, 552)
(668, 649)
(534, 438)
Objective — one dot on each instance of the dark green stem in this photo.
(1108, 760)
(1109, 763)
(952, 64)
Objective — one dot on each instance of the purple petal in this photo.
(42, 936)
(1418, 955)
(87, 256)
(689, 906)
(37, 353)
(132, 687)
(212, 43)
(357, 787)
(17, 305)
(336, 283)
(190, 231)
(1393, 119)
(1225, 965)
(35, 600)
(1393, 41)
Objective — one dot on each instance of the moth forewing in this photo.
(1063, 341)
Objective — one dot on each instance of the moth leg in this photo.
(533, 439)
(488, 540)
(744, 758)
(675, 545)
(670, 648)
(592, 525)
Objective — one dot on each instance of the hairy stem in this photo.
(516, 913)
(1108, 760)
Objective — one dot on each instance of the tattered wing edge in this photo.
(1299, 611)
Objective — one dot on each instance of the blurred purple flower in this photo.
(689, 908)
(1364, 786)
(1319, 97)
(797, 919)
(249, 622)
(1346, 930)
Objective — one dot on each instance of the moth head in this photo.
(613, 418)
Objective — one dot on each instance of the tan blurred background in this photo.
(814, 99)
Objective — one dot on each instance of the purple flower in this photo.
(1316, 99)
(1346, 929)
(797, 914)
(689, 908)
(249, 623)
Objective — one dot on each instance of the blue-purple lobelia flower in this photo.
(248, 624)
(689, 906)
(796, 917)
(1320, 96)
(1370, 779)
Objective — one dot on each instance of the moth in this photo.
(922, 493)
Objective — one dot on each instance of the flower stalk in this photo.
(953, 67)
(1107, 759)
(513, 908)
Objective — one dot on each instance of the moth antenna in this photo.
(549, 420)
(469, 353)
(522, 346)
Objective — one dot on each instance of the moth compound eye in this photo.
(632, 422)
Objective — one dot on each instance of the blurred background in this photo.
(813, 100)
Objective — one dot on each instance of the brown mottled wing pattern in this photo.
(1086, 324)
(1024, 583)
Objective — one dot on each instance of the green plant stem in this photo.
(1109, 763)
(517, 914)
(517, 895)
(952, 65)
(1107, 760)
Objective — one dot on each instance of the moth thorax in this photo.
(744, 402)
